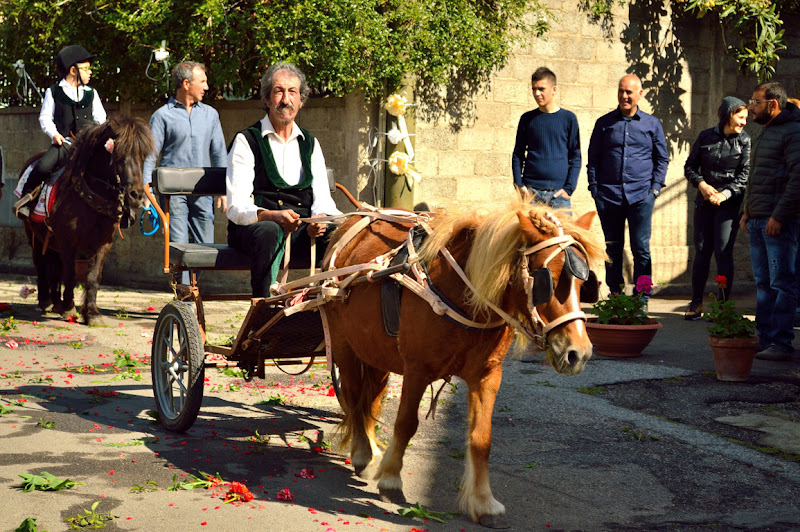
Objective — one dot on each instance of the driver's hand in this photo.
(287, 219)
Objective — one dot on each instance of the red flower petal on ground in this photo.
(284, 495)
(307, 473)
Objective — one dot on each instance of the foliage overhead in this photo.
(752, 29)
(341, 45)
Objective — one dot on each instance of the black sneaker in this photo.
(694, 312)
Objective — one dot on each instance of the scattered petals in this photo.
(25, 291)
(285, 495)
(306, 473)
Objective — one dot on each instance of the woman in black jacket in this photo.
(718, 166)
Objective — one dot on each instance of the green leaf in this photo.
(46, 482)
(28, 525)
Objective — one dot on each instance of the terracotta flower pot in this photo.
(621, 341)
(733, 357)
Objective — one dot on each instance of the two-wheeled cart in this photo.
(273, 329)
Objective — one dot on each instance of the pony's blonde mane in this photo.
(496, 256)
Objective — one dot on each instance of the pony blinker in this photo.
(542, 278)
(590, 289)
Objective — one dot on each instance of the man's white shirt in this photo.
(241, 172)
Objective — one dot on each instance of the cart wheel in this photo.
(177, 361)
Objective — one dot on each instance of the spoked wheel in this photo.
(177, 361)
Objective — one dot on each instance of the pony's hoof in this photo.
(94, 319)
(361, 470)
(494, 521)
(46, 305)
(392, 495)
(68, 313)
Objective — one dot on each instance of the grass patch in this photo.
(592, 390)
(638, 435)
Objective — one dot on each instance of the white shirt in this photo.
(73, 93)
(241, 172)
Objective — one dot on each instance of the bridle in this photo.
(112, 208)
(539, 283)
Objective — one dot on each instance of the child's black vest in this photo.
(70, 116)
(270, 191)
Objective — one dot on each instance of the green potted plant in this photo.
(731, 337)
(622, 327)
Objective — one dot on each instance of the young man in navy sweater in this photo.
(547, 153)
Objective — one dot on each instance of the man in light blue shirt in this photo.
(188, 133)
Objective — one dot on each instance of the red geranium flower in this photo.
(238, 493)
(721, 281)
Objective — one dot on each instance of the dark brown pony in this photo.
(490, 248)
(100, 188)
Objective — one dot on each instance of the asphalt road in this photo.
(654, 443)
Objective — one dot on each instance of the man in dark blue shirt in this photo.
(547, 153)
(627, 168)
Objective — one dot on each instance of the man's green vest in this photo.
(270, 191)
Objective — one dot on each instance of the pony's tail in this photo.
(360, 409)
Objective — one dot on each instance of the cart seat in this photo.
(207, 256)
(200, 182)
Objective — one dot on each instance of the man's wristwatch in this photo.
(655, 192)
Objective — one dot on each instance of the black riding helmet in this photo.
(70, 56)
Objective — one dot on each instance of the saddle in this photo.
(392, 291)
(46, 193)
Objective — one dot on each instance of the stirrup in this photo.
(23, 202)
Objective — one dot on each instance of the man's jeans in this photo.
(191, 215)
(773, 259)
(640, 218)
(546, 197)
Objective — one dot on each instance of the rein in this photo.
(100, 204)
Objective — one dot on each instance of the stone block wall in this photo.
(685, 72)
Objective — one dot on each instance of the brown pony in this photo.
(490, 248)
(100, 188)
